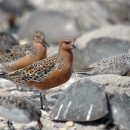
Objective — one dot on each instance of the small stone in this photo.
(49, 125)
(62, 129)
(44, 113)
(69, 123)
(18, 126)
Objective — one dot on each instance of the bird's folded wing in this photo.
(15, 53)
(35, 72)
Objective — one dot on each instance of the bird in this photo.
(19, 109)
(21, 56)
(47, 73)
(118, 65)
(7, 41)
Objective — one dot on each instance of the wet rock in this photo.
(54, 24)
(98, 49)
(81, 101)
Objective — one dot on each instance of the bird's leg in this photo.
(39, 125)
(10, 125)
(17, 87)
(43, 102)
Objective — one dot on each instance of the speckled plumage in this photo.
(119, 65)
(21, 56)
(25, 109)
(47, 73)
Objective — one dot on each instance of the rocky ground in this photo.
(94, 89)
(100, 29)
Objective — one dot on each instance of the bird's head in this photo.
(39, 37)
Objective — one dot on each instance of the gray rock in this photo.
(81, 101)
(89, 14)
(120, 110)
(3, 20)
(100, 48)
(7, 41)
(6, 84)
(117, 89)
(13, 6)
(55, 25)
(121, 32)
(118, 10)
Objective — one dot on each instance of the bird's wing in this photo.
(16, 53)
(37, 71)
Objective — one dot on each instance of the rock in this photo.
(80, 102)
(49, 125)
(6, 84)
(104, 12)
(118, 10)
(3, 20)
(120, 110)
(13, 6)
(63, 129)
(7, 41)
(119, 32)
(31, 125)
(18, 126)
(82, 10)
(118, 91)
(69, 123)
(98, 49)
(89, 20)
(111, 83)
(70, 81)
(54, 24)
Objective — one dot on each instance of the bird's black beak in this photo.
(44, 42)
(74, 47)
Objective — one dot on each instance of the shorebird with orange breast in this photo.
(47, 73)
(21, 56)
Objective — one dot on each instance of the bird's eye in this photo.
(37, 36)
(66, 42)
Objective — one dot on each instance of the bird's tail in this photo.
(3, 75)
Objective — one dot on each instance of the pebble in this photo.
(62, 129)
(69, 123)
(49, 125)
(18, 126)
